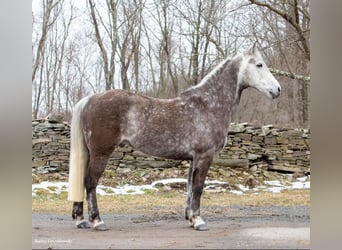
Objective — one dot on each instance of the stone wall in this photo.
(248, 147)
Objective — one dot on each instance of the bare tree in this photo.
(136, 41)
(109, 31)
(150, 55)
(47, 22)
(289, 23)
(291, 14)
(206, 20)
(166, 22)
(48, 62)
(58, 38)
(129, 43)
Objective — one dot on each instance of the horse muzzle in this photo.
(275, 92)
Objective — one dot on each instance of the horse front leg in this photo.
(188, 211)
(196, 179)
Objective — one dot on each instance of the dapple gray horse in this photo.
(192, 126)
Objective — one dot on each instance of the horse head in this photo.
(255, 73)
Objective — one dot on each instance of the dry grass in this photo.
(147, 203)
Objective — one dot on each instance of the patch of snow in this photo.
(269, 186)
(169, 181)
(243, 188)
(275, 189)
(276, 186)
(237, 192)
(51, 187)
(273, 183)
(215, 182)
(126, 189)
(302, 179)
(300, 185)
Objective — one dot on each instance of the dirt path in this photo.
(230, 227)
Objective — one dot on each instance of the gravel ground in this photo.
(231, 227)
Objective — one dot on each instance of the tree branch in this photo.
(291, 21)
(290, 75)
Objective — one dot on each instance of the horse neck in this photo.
(219, 90)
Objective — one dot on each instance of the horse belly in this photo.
(172, 147)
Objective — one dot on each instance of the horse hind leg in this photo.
(77, 214)
(97, 164)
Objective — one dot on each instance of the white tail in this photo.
(78, 154)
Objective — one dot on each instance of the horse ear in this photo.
(254, 47)
(251, 49)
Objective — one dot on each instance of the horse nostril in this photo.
(278, 89)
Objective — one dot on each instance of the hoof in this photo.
(100, 226)
(198, 224)
(201, 227)
(83, 224)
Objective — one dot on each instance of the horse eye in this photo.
(259, 65)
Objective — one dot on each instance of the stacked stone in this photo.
(50, 146)
(248, 147)
(127, 157)
(267, 148)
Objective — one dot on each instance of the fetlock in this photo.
(188, 213)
